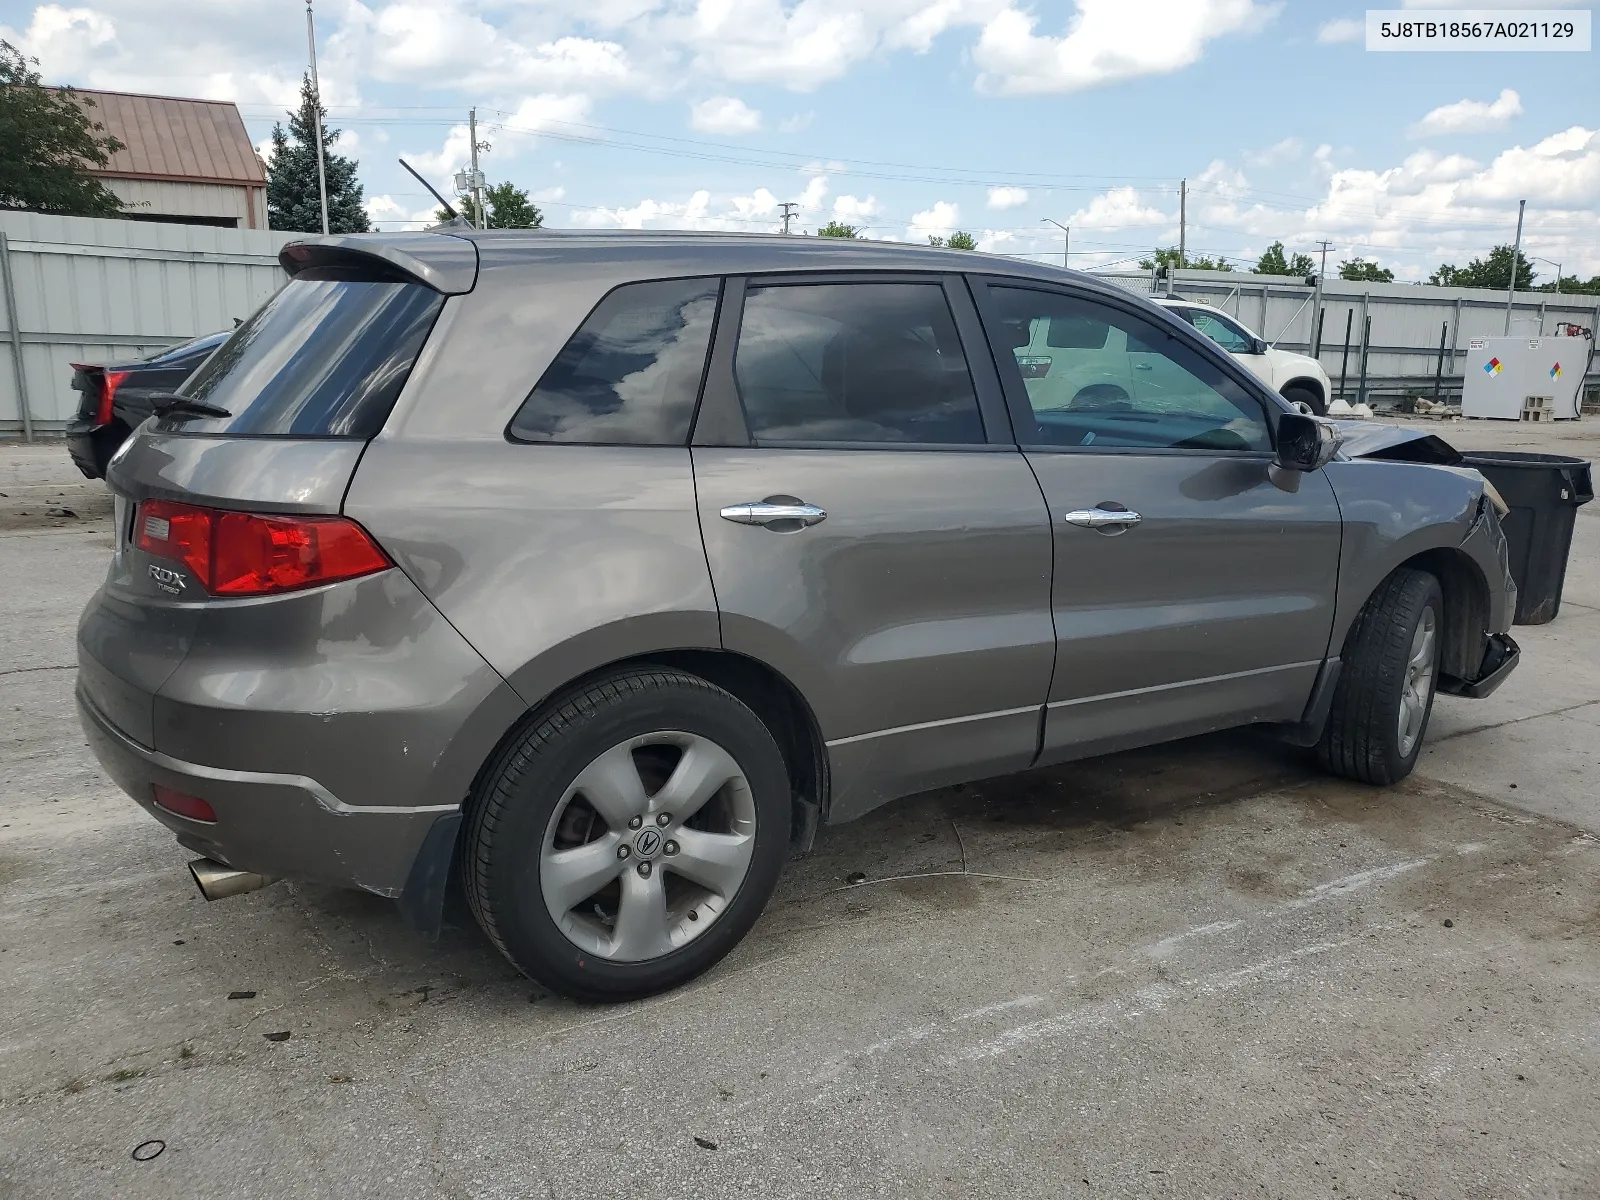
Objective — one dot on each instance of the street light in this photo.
(1066, 242)
(1553, 263)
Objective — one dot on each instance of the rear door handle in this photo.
(1111, 519)
(765, 512)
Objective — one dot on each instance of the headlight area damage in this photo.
(1485, 543)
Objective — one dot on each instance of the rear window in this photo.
(323, 358)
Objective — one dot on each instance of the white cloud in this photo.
(854, 211)
(1287, 150)
(121, 45)
(724, 115)
(1106, 40)
(1344, 29)
(549, 195)
(1119, 208)
(1007, 197)
(816, 191)
(941, 220)
(1429, 208)
(797, 122)
(996, 241)
(1471, 116)
(442, 43)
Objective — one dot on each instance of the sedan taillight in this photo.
(251, 554)
(110, 381)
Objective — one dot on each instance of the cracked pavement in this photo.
(1201, 969)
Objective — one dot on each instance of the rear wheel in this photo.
(630, 837)
(1386, 686)
(1304, 395)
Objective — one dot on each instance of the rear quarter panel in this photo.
(552, 560)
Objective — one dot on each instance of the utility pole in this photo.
(316, 115)
(1066, 240)
(1183, 221)
(790, 211)
(1516, 257)
(1316, 317)
(477, 175)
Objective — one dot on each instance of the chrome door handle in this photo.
(763, 512)
(1102, 518)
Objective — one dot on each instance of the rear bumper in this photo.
(91, 446)
(274, 824)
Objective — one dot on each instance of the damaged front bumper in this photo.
(1499, 660)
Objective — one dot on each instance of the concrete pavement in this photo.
(1196, 970)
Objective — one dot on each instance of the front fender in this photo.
(1395, 511)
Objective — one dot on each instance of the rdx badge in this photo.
(168, 580)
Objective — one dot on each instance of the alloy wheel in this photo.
(1417, 686)
(648, 846)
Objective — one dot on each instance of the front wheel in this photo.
(630, 837)
(1304, 395)
(1386, 686)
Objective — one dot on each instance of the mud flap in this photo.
(422, 900)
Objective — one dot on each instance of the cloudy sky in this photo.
(908, 117)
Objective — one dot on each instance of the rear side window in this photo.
(631, 373)
(854, 362)
(324, 358)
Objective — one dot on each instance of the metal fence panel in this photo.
(84, 289)
(1406, 320)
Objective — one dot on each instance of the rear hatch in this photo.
(276, 422)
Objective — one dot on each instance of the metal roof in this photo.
(175, 138)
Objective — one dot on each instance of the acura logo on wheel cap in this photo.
(647, 843)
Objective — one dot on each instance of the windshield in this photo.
(322, 358)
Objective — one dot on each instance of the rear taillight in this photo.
(109, 383)
(247, 554)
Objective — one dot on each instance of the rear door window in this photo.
(324, 358)
(631, 373)
(854, 362)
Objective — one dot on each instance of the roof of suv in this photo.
(448, 258)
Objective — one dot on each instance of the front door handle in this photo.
(767, 512)
(1110, 519)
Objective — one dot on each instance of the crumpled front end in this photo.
(1485, 543)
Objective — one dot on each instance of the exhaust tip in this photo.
(217, 881)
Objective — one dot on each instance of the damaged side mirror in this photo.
(1305, 443)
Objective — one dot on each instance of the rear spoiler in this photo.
(446, 263)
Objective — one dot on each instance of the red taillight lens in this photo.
(109, 383)
(192, 807)
(247, 554)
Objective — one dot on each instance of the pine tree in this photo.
(292, 199)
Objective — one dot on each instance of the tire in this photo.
(1304, 395)
(1390, 669)
(538, 831)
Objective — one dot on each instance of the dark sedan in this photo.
(115, 399)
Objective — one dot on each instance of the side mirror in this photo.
(1305, 443)
(1260, 347)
